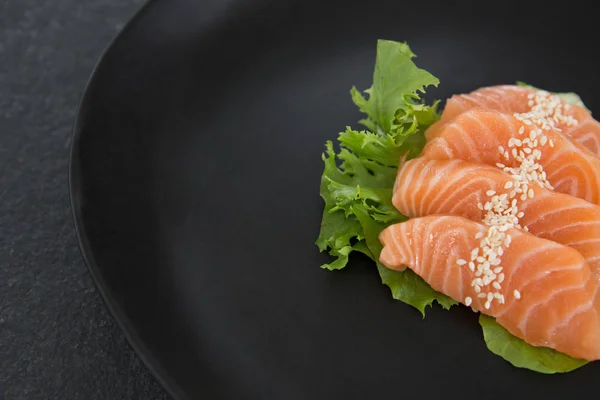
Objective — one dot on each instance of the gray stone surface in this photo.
(57, 340)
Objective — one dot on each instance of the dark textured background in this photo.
(57, 340)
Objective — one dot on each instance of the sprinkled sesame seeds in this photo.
(501, 210)
(546, 110)
(517, 294)
(485, 259)
(468, 301)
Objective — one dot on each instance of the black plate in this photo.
(195, 174)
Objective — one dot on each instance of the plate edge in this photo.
(123, 322)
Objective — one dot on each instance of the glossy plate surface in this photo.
(195, 176)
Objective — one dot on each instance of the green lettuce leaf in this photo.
(357, 181)
(396, 81)
(523, 355)
(567, 97)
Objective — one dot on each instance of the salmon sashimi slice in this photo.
(425, 187)
(504, 98)
(547, 295)
(494, 138)
(577, 122)
(586, 132)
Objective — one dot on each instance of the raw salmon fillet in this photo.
(425, 187)
(492, 137)
(517, 99)
(548, 295)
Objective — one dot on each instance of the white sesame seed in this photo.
(533, 134)
(477, 289)
(508, 185)
(501, 149)
(521, 130)
(481, 295)
(530, 193)
(468, 301)
(496, 285)
(517, 294)
(500, 278)
(551, 142)
(472, 266)
(487, 305)
(461, 262)
(490, 192)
